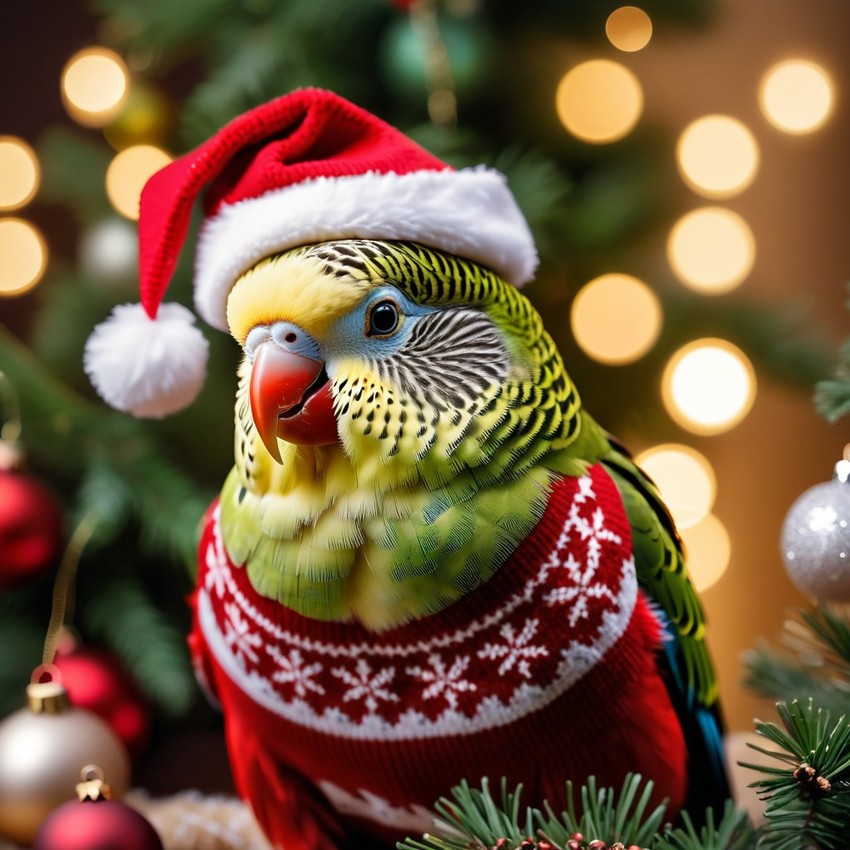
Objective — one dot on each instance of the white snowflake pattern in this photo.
(215, 577)
(238, 635)
(294, 671)
(582, 581)
(443, 681)
(516, 649)
(366, 685)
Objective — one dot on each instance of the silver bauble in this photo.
(816, 539)
(109, 252)
(43, 748)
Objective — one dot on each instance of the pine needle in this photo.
(808, 792)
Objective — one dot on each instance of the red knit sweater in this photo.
(546, 672)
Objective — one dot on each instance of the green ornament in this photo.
(402, 56)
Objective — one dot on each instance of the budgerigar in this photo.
(429, 562)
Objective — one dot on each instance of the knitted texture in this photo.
(546, 672)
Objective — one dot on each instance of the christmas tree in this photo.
(132, 492)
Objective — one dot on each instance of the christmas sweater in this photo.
(340, 737)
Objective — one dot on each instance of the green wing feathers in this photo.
(661, 571)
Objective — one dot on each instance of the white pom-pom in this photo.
(148, 368)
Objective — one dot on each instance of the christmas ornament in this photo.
(415, 560)
(95, 821)
(404, 57)
(145, 118)
(97, 681)
(30, 517)
(109, 252)
(816, 539)
(43, 748)
(30, 529)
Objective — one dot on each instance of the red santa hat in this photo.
(307, 167)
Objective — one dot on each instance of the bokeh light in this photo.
(708, 386)
(711, 250)
(23, 256)
(685, 478)
(94, 86)
(599, 101)
(628, 28)
(717, 156)
(616, 318)
(707, 550)
(796, 96)
(127, 174)
(19, 173)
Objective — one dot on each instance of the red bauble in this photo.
(30, 528)
(99, 825)
(97, 681)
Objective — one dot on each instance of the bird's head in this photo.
(403, 355)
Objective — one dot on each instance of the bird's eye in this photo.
(383, 319)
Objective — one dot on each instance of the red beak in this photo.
(290, 399)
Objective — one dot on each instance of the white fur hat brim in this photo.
(470, 213)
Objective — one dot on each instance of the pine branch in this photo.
(833, 633)
(814, 661)
(163, 27)
(21, 640)
(776, 676)
(776, 339)
(808, 791)
(118, 611)
(732, 833)
(74, 172)
(605, 816)
(832, 395)
(168, 503)
(472, 820)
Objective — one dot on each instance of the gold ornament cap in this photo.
(47, 697)
(92, 788)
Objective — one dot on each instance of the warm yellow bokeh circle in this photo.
(616, 318)
(717, 156)
(94, 86)
(628, 28)
(685, 478)
(599, 101)
(708, 550)
(708, 386)
(24, 256)
(19, 173)
(711, 250)
(127, 174)
(796, 96)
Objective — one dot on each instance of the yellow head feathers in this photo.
(293, 287)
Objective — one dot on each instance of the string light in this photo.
(628, 28)
(796, 96)
(94, 86)
(708, 551)
(24, 256)
(685, 478)
(19, 173)
(711, 250)
(708, 386)
(717, 156)
(616, 318)
(127, 174)
(599, 101)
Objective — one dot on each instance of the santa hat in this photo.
(307, 167)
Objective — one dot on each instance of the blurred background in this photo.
(683, 166)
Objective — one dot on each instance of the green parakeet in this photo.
(428, 562)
